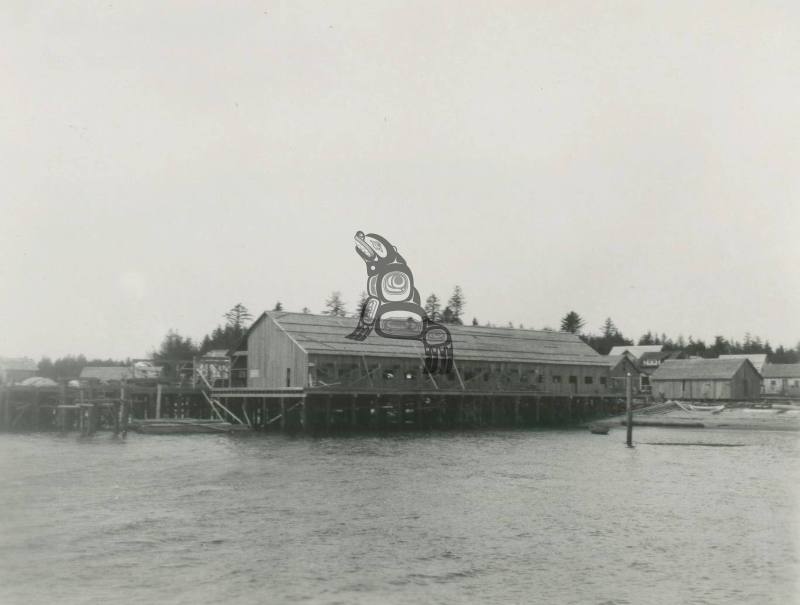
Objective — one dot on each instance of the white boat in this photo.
(690, 407)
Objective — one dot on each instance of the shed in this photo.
(16, 369)
(782, 379)
(311, 352)
(715, 379)
(619, 367)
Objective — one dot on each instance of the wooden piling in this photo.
(629, 411)
(158, 401)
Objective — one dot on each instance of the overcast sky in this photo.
(162, 161)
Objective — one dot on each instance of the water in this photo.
(503, 517)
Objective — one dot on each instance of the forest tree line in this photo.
(229, 334)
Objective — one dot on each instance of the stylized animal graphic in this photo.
(393, 308)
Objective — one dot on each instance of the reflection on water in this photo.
(516, 516)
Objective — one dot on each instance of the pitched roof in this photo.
(322, 334)
(106, 373)
(757, 359)
(18, 363)
(660, 355)
(697, 369)
(781, 370)
(636, 350)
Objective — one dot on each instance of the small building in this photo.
(635, 351)
(15, 370)
(619, 366)
(106, 374)
(782, 379)
(757, 359)
(649, 362)
(715, 379)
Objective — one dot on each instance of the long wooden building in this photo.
(501, 375)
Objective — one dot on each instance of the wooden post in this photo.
(158, 401)
(517, 416)
(328, 413)
(6, 408)
(629, 411)
(354, 412)
(283, 413)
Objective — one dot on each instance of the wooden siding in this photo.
(744, 384)
(346, 372)
(270, 353)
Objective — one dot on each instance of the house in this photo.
(781, 379)
(635, 351)
(757, 359)
(106, 374)
(619, 366)
(14, 370)
(651, 360)
(311, 351)
(718, 379)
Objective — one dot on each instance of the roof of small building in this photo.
(698, 369)
(216, 353)
(757, 359)
(106, 373)
(321, 334)
(781, 370)
(660, 355)
(18, 363)
(635, 350)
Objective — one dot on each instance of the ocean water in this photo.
(463, 517)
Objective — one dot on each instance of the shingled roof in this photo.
(321, 334)
(698, 369)
(781, 370)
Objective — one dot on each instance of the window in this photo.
(410, 375)
(288, 377)
(588, 380)
(388, 375)
(573, 380)
(602, 381)
(540, 378)
(556, 379)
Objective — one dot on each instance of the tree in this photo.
(175, 347)
(456, 305)
(362, 300)
(609, 329)
(306, 310)
(572, 322)
(475, 321)
(278, 306)
(335, 306)
(433, 307)
(238, 317)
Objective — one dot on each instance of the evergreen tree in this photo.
(278, 306)
(572, 322)
(433, 307)
(175, 347)
(238, 317)
(334, 305)
(456, 306)
(306, 310)
(362, 300)
(475, 321)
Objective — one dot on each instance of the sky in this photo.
(163, 161)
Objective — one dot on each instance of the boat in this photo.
(690, 407)
(598, 429)
(785, 407)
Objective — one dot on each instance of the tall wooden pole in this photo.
(629, 410)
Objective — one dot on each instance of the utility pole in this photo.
(629, 410)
